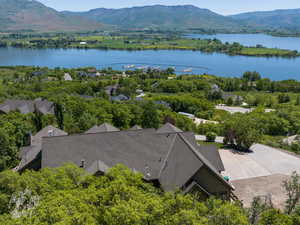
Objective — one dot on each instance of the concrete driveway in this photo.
(264, 161)
(270, 186)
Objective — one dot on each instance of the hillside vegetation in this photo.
(31, 15)
(163, 17)
(278, 19)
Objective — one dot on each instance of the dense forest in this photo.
(69, 196)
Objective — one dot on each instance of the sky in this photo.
(225, 7)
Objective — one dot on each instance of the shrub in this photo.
(211, 136)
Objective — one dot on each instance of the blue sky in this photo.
(220, 6)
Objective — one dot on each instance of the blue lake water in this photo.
(217, 64)
(292, 43)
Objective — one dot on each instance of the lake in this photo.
(217, 64)
(292, 43)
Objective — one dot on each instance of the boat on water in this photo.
(142, 67)
(188, 70)
(129, 66)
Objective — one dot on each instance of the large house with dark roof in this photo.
(27, 106)
(167, 157)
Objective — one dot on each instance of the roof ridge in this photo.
(108, 132)
(167, 156)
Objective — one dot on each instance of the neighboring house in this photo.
(38, 73)
(168, 157)
(67, 77)
(140, 95)
(236, 109)
(197, 120)
(163, 103)
(82, 73)
(234, 98)
(215, 88)
(111, 90)
(191, 116)
(291, 140)
(27, 106)
(120, 98)
(139, 91)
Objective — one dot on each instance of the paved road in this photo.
(264, 161)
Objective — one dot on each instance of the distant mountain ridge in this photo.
(33, 15)
(277, 19)
(162, 17)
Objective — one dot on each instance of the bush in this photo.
(211, 137)
(296, 147)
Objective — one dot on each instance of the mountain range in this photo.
(277, 19)
(162, 17)
(31, 15)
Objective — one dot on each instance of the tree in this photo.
(258, 206)
(274, 217)
(229, 101)
(241, 131)
(68, 195)
(150, 117)
(251, 76)
(292, 187)
(59, 114)
(283, 98)
(121, 116)
(211, 137)
(37, 119)
(8, 150)
(298, 100)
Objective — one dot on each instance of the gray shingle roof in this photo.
(172, 158)
(139, 151)
(167, 157)
(136, 127)
(27, 106)
(29, 153)
(168, 128)
(105, 127)
(48, 131)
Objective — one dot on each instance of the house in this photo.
(30, 156)
(197, 120)
(67, 77)
(27, 106)
(168, 157)
(120, 98)
(38, 73)
(82, 73)
(235, 98)
(191, 116)
(163, 103)
(111, 90)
